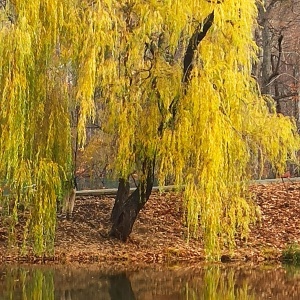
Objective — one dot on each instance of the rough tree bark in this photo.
(276, 60)
(121, 197)
(127, 207)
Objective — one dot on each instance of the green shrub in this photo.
(291, 254)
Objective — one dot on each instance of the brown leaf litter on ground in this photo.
(159, 234)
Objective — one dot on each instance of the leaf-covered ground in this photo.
(159, 234)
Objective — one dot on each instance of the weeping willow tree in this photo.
(174, 89)
(47, 69)
(181, 99)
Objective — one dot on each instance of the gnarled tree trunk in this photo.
(127, 207)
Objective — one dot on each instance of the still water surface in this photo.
(194, 282)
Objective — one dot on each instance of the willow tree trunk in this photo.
(127, 207)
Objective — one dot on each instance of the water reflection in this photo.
(205, 282)
(120, 287)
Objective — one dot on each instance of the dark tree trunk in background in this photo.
(127, 207)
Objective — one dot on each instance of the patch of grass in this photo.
(291, 254)
(269, 253)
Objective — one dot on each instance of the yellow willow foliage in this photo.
(55, 54)
(224, 125)
(47, 68)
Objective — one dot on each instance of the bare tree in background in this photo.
(277, 70)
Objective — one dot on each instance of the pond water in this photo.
(195, 282)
